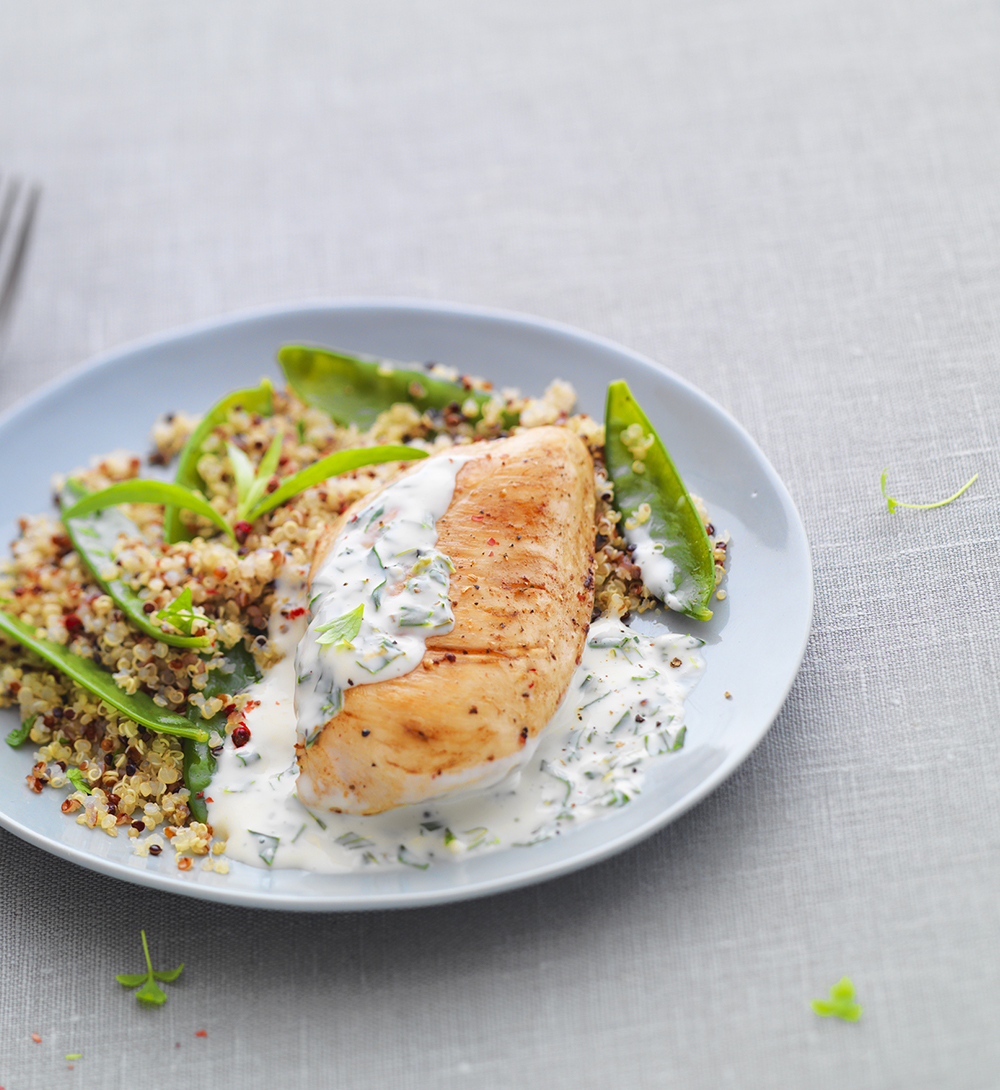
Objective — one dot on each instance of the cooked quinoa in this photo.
(135, 775)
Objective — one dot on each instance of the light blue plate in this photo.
(755, 641)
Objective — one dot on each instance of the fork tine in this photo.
(9, 197)
(19, 245)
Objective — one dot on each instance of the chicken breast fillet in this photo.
(520, 533)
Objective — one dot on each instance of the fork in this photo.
(18, 203)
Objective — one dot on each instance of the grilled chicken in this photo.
(520, 532)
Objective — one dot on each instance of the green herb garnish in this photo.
(251, 484)
(894, 503)
(605, 642)
(20, 733)
(840, 1004)
(344, 629)
(149, 992)
(415, 617)
(181, 613)
(388, 652)
(552, 770)
(267, 845)
(78, 780)
(355, 841)
(404, 855)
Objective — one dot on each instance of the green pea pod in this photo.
(199, 768)
(354, 390)
(258, 399)
(679, 567)
(140, 707)
(144, 491)
(238, 672)
(94, 537)
(333, 464)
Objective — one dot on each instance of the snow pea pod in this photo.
(146, 491)
(331, 466)
(354, 390)
(238, 672)
(257, 399)
(94, 537)
(140, 707)
(199, 768)
(671, 546)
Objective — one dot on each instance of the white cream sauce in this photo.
(380, 592)
(660, 574)
(623, 707)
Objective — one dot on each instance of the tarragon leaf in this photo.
(78, 780)
(181, 613)
(251, 484)
(20, 733)
(342, 630)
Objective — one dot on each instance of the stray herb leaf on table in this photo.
(894, 503)
(841, 1003)
(149, 992)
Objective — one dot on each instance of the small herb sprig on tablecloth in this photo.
(148, 991)
(894, 503)
(841, 1003)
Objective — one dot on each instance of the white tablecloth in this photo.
(794, 204)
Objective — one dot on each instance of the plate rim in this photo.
(415, 898)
